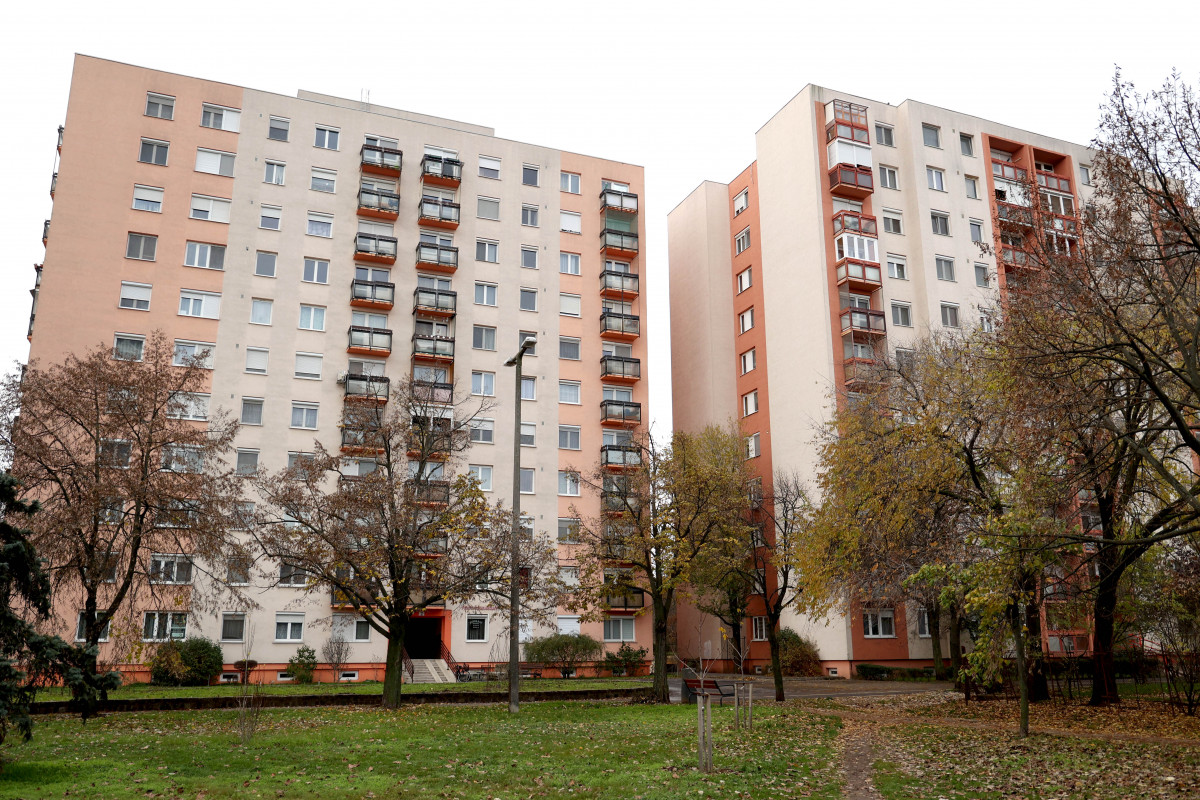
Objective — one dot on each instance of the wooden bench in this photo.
(529, 670)
(710, 686)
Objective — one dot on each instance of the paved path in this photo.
(796, 688)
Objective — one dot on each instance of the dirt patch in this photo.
(857, 741)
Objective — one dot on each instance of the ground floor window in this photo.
(618, 629)
(476, 629)
(923, 623)
(289, 627)
(348, 675)
(159, 626)
(879, 623)
(759, 628)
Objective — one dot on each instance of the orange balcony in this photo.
(862, 276)
(620, 412)
(849, 122)
(620, 369)
(853, 222)
(614, 283)
(620, 456)
(428, 492)
(427, 347)
(45, 232)
(378, 204)
(439, 213)
(375, 249)
(379, 295)
(437, 258)
(612, 200)
(616, 325)
(1014, 258)
(1006, 170)
(618, 244)
(381, 160)
(433, 391)
(366, 341)
(435, 302)
(863, 320)
(1011, 214)
(365, 387)
(61, 128)
(439, 171)
(53, 184)
(629, 600)
(859, 373)
(1062, 224)
(1053, 182)
(851, 180)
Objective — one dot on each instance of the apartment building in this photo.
(854, 232)
(285, 236)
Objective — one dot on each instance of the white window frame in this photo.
(309, 360)
(149, 195)
(262, 302)
(741, 242)
(331, 135)
(570, 222)
(745, 279)
(233, 615)
(873, 623)
(133, 295)
(202, 255)
(568, 483)
(212, 209)
(889, 177)
(949, 310)
(487, 384)
(572, 388)
(626, 629)
(467, 629)
(927, 129)
(750, 403)
(758, 629)
(749, 360)
(741, 201)
(210, 303)
(568, 263)
(322, 174)
(265, 357)
(746, 321)
(163, 101)
(207, 159)
(483, 474)
(902, 310)
(274, 172)
(935, 179)
(880, 128)
(753, 446)
(304, 407)
(316, 318)
(291, 633)
(488, 204)
(276, 213)
(897, 267)
(319, 219)
(944, 268)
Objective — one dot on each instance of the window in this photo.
(256, 360)
(568, 530)
(260, 312)
(188, 405)
(741, 202)
(476, 629)
(529, 299)
(528, 434)
(482, 474)
(159, 626)
(982, 278)
(528, 388)
(749, 403)
(887, 177)
(160, 105)
(950, 315)
(568, 348)
(568, 182)
(252, 411)
(221, 118)
(233, 627)
(966, 143)
(182, 459)
(277, 129)
(127, 347)
(568, 392)
(289, 627)
(931, 135)
(529, 175)
(304, 415)
(309, 365)
(529, 216)
(269, 217)
(568, 437)
(570, 222)
(213, 209)
(752, 442)
(879, 624)
(940, 222)
(568, 483)
(741, 242)
(323, 180)
(487, 251)
(315, 271)
(199, 304)
(214, 162)
(489, 167)
(274, 172)
(326, 138)
(944, 267)
(199, 354)
(759, 627)
(247, 460)
(892, 222)
(483, 431)
(902, 315)
(522, 336)
(141, 246)
(618, 629)
(487, 208)
(1085, 175)
(147, 198)
(923, 623)
(204, 256)
(568, 263)
(81, 628)
(744, 280)
(312, 318)
(135, 296)
(483, 384)
(746, 320)
(748, 361)
(115, 453)
(529, 258)
(976, 230)
(320, 224)
(936, 179)
(362, 633)
(569, 305)
(897, 267)
(884, 135)
(153, 152)
(526, 478)
(483, 338)
(972, 186)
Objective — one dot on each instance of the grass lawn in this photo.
(147, 690)
(595, 750)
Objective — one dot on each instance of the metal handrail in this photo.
(409, 670)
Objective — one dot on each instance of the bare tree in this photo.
(336, 652)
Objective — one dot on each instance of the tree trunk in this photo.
(1014, 618)
(393, 673)
(1039, 686)
(1104, 678)
(660, 689)
(776, 665)
(933, 616)
(955, 636)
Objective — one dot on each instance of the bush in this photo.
(798, 656)
(625, 660)
(563, 651)
(873, 672)
(303, 665)
(192, 662)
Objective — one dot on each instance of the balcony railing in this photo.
(1053, 182)
(849, 122)
(851, 179)
(1017, 215)
(437, 255)
(441, 169)
(45, 231)
(627, 599)
(620, 367)
(373, 386)
(860, 371)
(439, 211)
(619, 241)
(854, 222)
(433, 346)
(611, 199)
(613, 502)
(1013, 256)
(437, 301)
(619, 282)
(372, 245)
(373, 339)
(620, 455)
(433, 391)
(53, 183)
(381, 159)
(859, 274)
(433, 492)
(380, 292)
(624, 412)
(375, 200)
(1062, 223)
(863, 320)
(1008, 171)
(615, 322)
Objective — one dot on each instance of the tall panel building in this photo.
(854, 232)
(319, 247)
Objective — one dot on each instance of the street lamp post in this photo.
(514, 596)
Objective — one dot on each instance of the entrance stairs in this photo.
(431, 670)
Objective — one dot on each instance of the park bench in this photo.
(721, 689)
(531, 670)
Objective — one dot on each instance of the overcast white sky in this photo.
(679, 88)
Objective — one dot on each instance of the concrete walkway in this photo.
(827, 688)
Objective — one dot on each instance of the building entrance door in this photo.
(424, 637)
